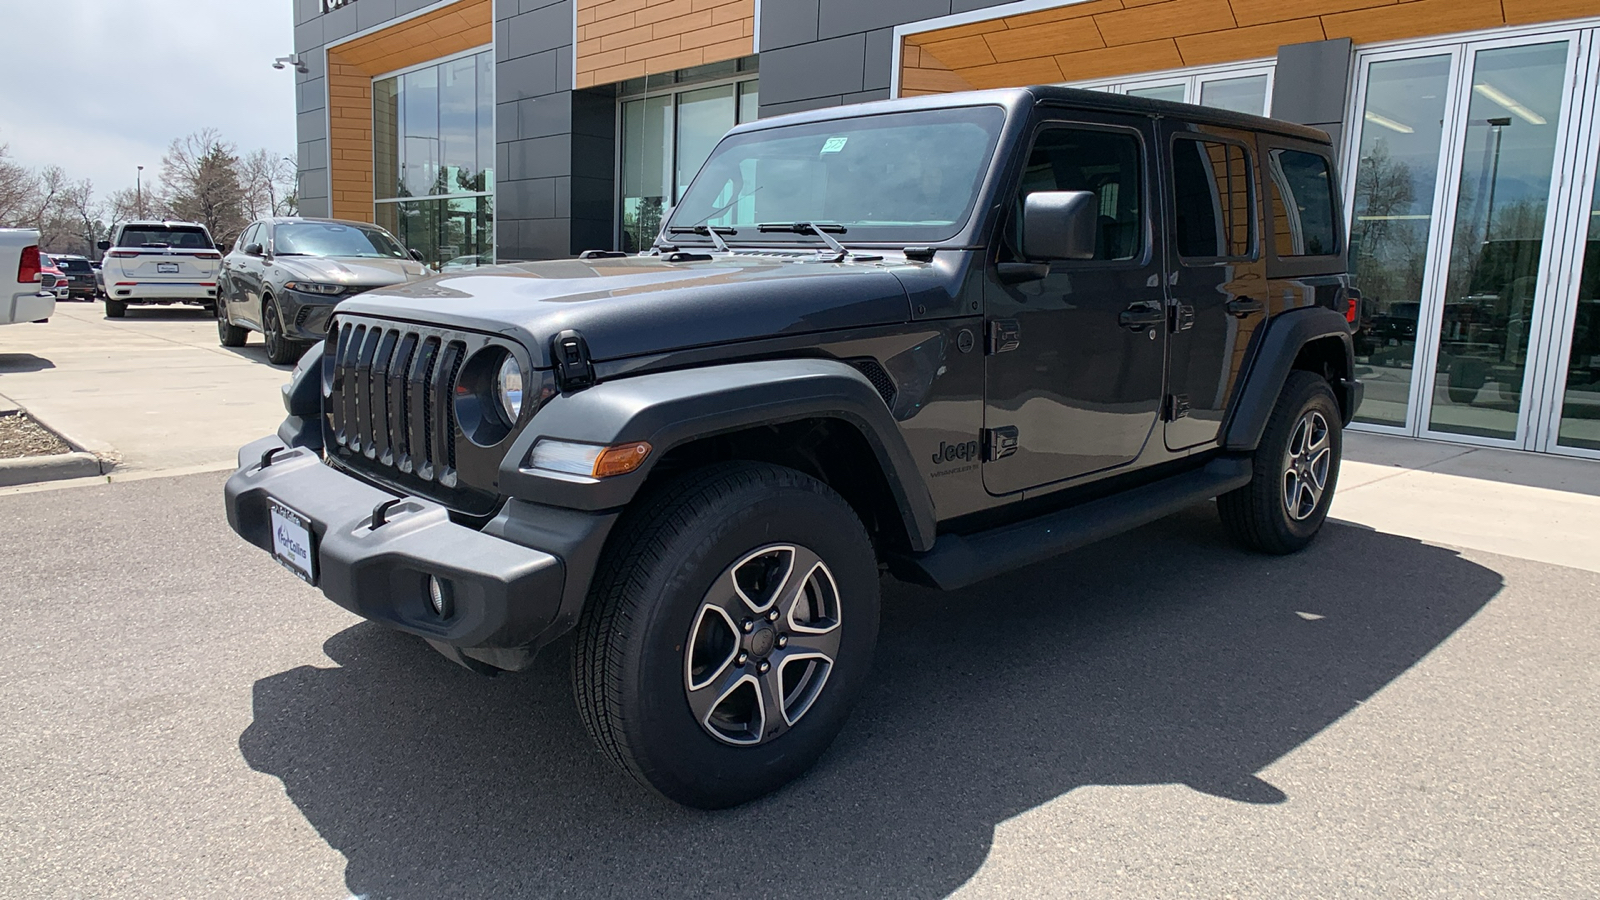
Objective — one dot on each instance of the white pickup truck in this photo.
(24, 299)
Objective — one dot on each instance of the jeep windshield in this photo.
(909, 177)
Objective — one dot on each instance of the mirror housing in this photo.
(252, 249)
(103, 245)
(417, 255)
(1059, 225)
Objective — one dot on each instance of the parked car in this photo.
(52, 279)
(159, 263)
(285, 275)
(21, 265)
(81, 281)
(99, 278)
(946, 337)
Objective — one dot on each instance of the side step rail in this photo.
(957, 561)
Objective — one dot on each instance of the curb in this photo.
(30, 469)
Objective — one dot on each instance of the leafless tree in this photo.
(18, 187)
(269, 184)
(202, 178)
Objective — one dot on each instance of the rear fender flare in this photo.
(669, 409)
(1271, 364)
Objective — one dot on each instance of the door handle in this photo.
(1244, 306)
(1141, 315)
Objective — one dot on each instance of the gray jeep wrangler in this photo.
(937, 338)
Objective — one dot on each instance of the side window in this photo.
(1302, 204)
(1106, 163)
(1212, 199)
(248, 236)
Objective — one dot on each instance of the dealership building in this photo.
(480, 130)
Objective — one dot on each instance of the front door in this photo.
(1076, 358)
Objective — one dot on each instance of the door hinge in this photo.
(1177, 406)
(999, 443)
(570, 354)
(1181, 317)
(1004, 335)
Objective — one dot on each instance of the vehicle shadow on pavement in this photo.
(23, 362)
(1159, 657)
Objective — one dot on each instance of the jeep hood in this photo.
(636, 305)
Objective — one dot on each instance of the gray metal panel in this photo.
(769, 110)
(312, 153)
(880, 59)
(372, 13)
(306, 9)
(539, 30)
(1312, 82)
(959, 6)
(818, 69)
(311, 94)
(529, 199)
(841, 17)
(545, 157)
(308, 35)
(542, 116)
(527, 76)
(340, 23)
(787, 22)
(312, 126)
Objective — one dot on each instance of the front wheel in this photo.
(729, 630)
(1294, 471)
(280, 349)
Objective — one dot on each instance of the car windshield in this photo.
(898, 177)
(335, 239)
(182, 237)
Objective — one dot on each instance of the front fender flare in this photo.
(669, 409)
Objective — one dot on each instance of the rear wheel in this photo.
(115, 309)
(1294, 473)
(280, 349)
(729, 630)
(229, 334)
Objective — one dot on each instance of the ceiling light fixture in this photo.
(1498, 96)
(1389, 123)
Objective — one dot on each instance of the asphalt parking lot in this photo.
(1406, 709)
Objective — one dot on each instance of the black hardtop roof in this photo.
(1018, 99)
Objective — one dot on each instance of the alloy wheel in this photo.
(762, 644)
(272, 328)
(1306, 465)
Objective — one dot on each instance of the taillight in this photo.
(123, 254)
(1352, 309)
(28, 265)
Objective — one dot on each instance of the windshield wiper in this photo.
(816, 228)
(715, 233)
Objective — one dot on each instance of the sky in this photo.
(114, 81)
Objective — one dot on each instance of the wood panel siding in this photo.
(1110, 38)
(351, 68)
(622, 39)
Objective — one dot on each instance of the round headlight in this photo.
(508, 387)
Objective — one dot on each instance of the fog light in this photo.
(438, 597)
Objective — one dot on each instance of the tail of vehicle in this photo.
(22, 298)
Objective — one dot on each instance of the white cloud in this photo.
(101, 86)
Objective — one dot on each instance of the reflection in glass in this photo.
(1580, 405)
(1172, 92)
(449, 233)
(749, 102)
(704, 116)
(386, 138)
(1492, 287)
(419, 101)
(1397, 166)
(458, 127)
(646, 169)
(1246, 95)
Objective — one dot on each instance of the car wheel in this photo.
(229, 334)
(1294, 471)
(728, 632)
(1467, 377)
(116, 309)
(280, 350)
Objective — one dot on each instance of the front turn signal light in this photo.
(592, 460)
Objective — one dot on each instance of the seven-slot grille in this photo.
(391, 397)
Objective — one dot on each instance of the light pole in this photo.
(138, 191)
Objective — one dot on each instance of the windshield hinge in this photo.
(569, 352)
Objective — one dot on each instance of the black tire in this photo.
(116, 309)
(1467, 376)
(1258, 516)
(634, 657)
(229, 334)
(280, 349)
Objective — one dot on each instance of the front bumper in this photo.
(305, 316)
(508, 598)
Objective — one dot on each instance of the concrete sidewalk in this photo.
(1526, 505)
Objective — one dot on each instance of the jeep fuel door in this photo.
(1076, 347)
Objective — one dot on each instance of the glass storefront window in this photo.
(1513, 124)
(1397, 167)
(1246, 95)
(665, 140)
(1237, 88)
(1175, 93)
(433, 137)
(1580, 403)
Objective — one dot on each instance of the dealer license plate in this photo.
(291, 542)
(166, 268)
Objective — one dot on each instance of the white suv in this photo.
(159, 262)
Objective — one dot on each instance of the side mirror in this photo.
(417, 255)
(1059, 225)
(252, 249)
(103, 245)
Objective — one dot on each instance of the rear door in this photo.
(1074, 371)
(1217, 282)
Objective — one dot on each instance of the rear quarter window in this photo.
(1303, 209)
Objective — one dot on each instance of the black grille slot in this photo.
(391, 399)
(881, 382)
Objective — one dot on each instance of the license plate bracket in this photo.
(293, 541)
(166, 268)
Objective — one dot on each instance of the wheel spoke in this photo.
(1291, 490)
(731, 706)
(713, 645)
(819, 643)
(1319, 468)
(760, 578)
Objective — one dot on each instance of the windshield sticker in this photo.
(834, 144)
